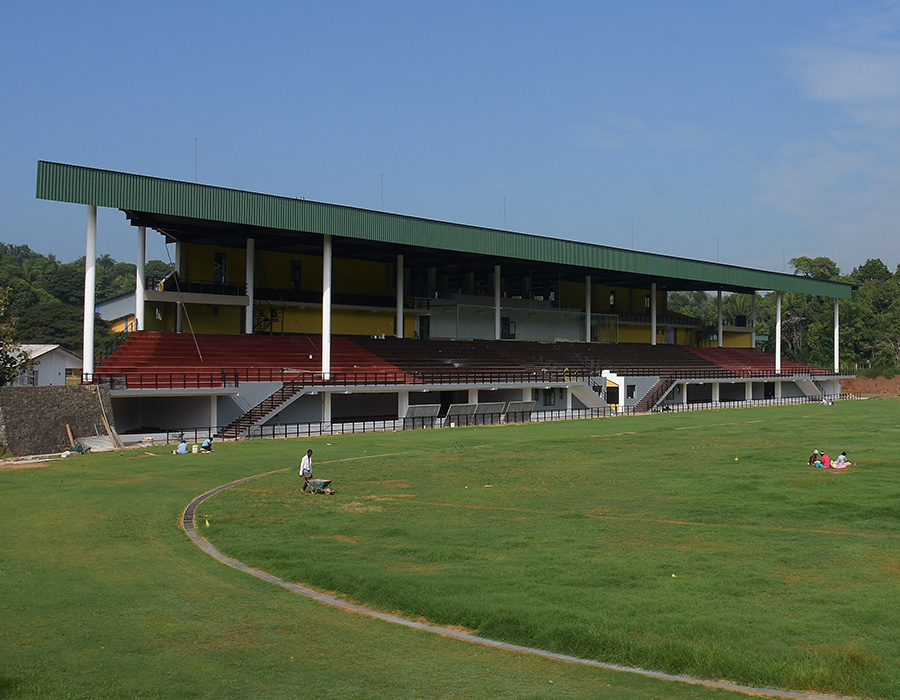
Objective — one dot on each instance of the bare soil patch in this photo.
(872, 386)
(10, 466)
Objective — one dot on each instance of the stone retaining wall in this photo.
(33, 418)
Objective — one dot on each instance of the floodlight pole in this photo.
(90, 279)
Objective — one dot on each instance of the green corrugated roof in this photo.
(140, 193)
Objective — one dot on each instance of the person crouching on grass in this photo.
(306, 469)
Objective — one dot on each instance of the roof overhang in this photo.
(208, 215)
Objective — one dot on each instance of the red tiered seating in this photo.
(752, 362)
(458, 357)
(180, 359)
(204, 360)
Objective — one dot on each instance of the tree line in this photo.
(43, 300)
(869, 340)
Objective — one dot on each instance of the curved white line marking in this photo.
(187, 524)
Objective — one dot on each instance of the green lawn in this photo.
(639, 541)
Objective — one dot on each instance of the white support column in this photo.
(837, 339)
(431, 289)
(753, 320)
(684, 400)
(90, 285)
(715, 392)
(777, 332)
(326, 315)
(326, 406)
(719, 314)
(587, 308)
(496, 302)
(778, 389)
(179, 274)
(140, 279)
(653, 313)
(402, 403)
(251, 282)
(748, 391)
(398, 330)
(213, 411)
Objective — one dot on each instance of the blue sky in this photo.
(744, 132)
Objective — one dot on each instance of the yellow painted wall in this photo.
(167, 311)
(273, 270)
(202, 319)
(731, 339)
(343, 322)
(634, 334)
(640, 334)
(629, 301)
(363, 277)
(199, 263)
(683, 336)
(121, 324)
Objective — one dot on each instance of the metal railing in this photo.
(314, 429)
(111, 345)
(321, 428)
(749, 403)
(723, 373)
(228, 377)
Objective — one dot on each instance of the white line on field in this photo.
(187, 524)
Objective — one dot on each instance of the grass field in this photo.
(640, 541)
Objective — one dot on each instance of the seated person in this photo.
(207, 445)
(182, 448)
(826, 460)
(841, 461)
(813, 458)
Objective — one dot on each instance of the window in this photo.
(220, 269)
(629, 390)
(612, 301)
(295, 275)
(549, 397)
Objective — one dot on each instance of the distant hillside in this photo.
(47, 296)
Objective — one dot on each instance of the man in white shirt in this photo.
(306, 469)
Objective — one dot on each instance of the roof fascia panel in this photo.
(92, 186)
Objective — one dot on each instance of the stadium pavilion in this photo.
(286, 311)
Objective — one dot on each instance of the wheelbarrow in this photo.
(320, 486)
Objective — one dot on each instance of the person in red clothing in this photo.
(826, 461)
